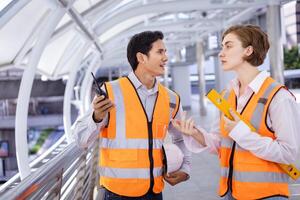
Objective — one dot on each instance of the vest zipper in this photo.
(229, 181)
(150, 136)
(150, 153)
(230, 174)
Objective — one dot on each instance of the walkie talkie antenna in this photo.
(96, 82)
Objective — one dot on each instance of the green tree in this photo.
(42, 138)
(291, 58)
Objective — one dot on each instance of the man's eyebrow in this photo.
(165, 50)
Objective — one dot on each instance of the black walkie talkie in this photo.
(98, 89)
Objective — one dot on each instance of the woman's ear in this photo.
(140, 57)
(249, 50)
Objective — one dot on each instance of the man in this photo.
(134, 120)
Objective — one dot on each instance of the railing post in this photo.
(80, 177)
(94, 174)
(60, 179)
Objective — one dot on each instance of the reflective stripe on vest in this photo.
(125, 158)
(129, 143)
(255, 177)
(252, 177)
(129, 173)
(227, 143)
(174, 103)
(257, 115)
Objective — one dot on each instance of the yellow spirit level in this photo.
(224, 107)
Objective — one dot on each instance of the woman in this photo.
(248, 159)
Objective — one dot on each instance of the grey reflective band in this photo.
(228, 142)
(137, 173)
(173, 103)
(256, 177)
(224, 172)
(130, 143)
(121, 141)
(226, 94)
(257, 116)
(120, 111)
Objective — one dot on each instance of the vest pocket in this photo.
(123, 155)
(160, 130)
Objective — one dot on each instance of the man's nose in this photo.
(165, 58)
(221, 54)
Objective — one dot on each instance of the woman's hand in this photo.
(230, 124)
(185, 126)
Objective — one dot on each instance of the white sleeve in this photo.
(85, 130)
(284, 115)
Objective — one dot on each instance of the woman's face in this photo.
(232, 53)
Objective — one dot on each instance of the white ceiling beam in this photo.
(84, 25)
(97, 11)
(11, 10)
(164, 27)
(172, 6)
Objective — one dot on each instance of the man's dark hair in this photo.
(141, 42)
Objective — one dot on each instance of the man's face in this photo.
(154, 64)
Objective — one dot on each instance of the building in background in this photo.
(291, 13)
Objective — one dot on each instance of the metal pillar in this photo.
(276, 48)
(182, 85)
(218, 74)
(166, 77)
(109, 74)
(201, 77)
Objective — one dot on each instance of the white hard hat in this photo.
(174, 157)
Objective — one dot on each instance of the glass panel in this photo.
(123, 26)
(82, 5)
(16, 32)
(63, 21)
(53, 52)
(70, 62)
(4, 3)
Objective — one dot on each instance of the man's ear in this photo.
(140, 57)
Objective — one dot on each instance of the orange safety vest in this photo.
(131, 157)
(246, 175)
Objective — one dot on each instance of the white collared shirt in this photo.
(283, 117)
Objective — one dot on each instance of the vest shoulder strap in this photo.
(174, 102)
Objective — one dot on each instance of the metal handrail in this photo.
(34, 164)
(69, 175)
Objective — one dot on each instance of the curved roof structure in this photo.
(102, 28)
(61, 38)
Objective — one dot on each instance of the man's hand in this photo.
(174, 178)
(101, 106)
(230, 124)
